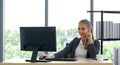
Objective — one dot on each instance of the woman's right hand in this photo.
(46, 56)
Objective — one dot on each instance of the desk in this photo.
(78, 62)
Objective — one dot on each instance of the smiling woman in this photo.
(84, 47)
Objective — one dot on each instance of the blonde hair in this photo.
(85, 21)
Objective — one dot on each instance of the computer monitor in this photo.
(37, 39)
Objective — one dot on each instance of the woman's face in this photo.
(83, 30)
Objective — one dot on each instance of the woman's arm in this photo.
(93, 49)
(66, 51)
(63, 53)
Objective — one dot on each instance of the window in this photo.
(21, 13)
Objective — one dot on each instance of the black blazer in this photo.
(69, 50)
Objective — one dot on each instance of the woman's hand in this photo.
(89, 37)
(46, 56)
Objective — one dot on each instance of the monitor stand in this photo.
(34, 56)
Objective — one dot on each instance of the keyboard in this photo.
(62, 59)
(41, 60)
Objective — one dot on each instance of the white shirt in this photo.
(80, 51)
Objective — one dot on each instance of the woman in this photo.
(85, 46)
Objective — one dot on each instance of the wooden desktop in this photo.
(78, 62)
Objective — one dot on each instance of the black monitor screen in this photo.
(42, 38)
